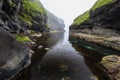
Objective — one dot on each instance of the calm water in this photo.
(60, 62)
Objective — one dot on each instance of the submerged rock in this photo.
(111, 66)
(14, 56)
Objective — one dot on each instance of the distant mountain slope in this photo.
(55, 23)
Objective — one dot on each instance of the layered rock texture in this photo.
(22, 15)
(18, 20)
(102, 20)
(99, 30)
(13, 55)
(55, 23)
(17, 17)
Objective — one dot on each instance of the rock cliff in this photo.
(98, 30)
(21, 15)
(100, 25)
(103, 18)
(18, 17)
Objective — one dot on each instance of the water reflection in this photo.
(55, 38)
(61, 62)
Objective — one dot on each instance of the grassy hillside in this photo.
(85, 16)
(34, 5)
(31, 8)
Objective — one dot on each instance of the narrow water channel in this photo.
(60, 62)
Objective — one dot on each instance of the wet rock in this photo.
(33, 43)
(111, 66)
(36, 35)
(39, 47)
(14, 56)
(94, 78)
(31, 52)
(46, 49)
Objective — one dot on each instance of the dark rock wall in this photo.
(13, 55)
(103, 20)
(108, 15)
(10, 10)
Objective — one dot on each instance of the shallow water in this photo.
(60, 62)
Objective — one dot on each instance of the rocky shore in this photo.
(104, 40)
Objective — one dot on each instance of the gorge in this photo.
(36, 45)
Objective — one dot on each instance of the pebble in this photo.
(33, 43)
(39, 47)
(47, 49)
(31, 52)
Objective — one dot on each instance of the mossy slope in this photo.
(85, 16)
(33, 14)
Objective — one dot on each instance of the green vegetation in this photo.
(85, 16)
(31, 8)
(81, 18)
(21, 38)
(100, 3)
(26, 18)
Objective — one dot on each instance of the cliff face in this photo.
(55, 23)
(22, 15)
(103, 18)
(18, 16)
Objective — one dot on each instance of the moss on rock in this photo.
(21, 38)
(31, 10)
(86, 15)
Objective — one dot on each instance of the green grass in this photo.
(31, 8)
(22, 38)
(100, 3)
(26, 18)
(85, 16)
(81, 18)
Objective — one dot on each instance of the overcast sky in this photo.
(68, 10)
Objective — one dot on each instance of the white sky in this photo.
(68, 10)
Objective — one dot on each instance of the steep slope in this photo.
(21, 15)
(17, 17)
(55, 23)
(104, 15)
(33, 13)
(101, 24)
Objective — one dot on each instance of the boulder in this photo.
(14, 56)
(111, 66)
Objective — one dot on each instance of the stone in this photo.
(46, 49)
(36, 35)
(33, 43)
(39, 47)
(14, 56)
(31, 52)
(111, 66)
